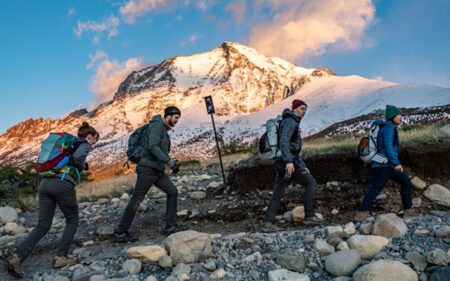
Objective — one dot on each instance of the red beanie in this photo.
(297, 103)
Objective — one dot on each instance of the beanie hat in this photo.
(298, 103)
(171, 110)
(391, 112)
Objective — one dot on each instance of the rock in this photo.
(438, 194)
(389, 226)
(14, 228)
(366, 228)
(438, 257)
(187, 246)
(197, 195)
(183, 213)
(322, 247)
(194, 212)
(441, 274)
(204, 177)
(151, 278)
(8, 214)
(286, 275)
(214, 184)
(219, 273)
(181, 269)
(342, 263)
(343, 246)
(418, 261)
(288, 216)
(62, 278)
(88, 243)
(293, 263)
(367, 245)
(418, 183)
(104, 231)
(147, 253)
(125, 197)
(211, 266)
(334, 231)
(334, 211)
(132, 266)
(385, 270)
(165, 261)
(349, 229)
(417, 202)
(298, 214)
(443, 231)
(96, 277)
(422, 232)
(82, 273)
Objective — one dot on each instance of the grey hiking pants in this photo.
(53, 192)
(146, 177)
(280, 184)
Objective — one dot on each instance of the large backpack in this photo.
(368, 146)
(268, 143)
(55, 152)
(136, 146)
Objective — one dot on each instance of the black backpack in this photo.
(136, 144)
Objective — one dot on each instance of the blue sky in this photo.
(57, 56)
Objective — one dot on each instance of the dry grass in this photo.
(105, 188)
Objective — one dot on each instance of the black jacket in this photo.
(290, 142)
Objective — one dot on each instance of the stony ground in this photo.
(237, 248)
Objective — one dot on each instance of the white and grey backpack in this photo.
(367, 147)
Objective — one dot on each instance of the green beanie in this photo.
(391, 112)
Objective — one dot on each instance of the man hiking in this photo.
(290, 165)
(150, 171)
(388, 146)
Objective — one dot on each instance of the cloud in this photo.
(108, 76)
(108, 26)
(237, 9)
(136, 8)
(304, 28)
(71, 12)
(191, 40)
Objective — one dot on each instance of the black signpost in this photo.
(210, 109)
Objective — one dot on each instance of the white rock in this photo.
(333, 231)
(187, 246)
(342, 246)
(197, 195)
(14, 228)
(342, 263)
(151, 278)
(385, 270)
(418, 183)
(132, 266)
(367, 245)
(8, 214)
(438, 194)
(389, 226)
(286, 275)
(165, 261)
(219, 273)
(349, 228)
(125, 197)
(147, 253)
(214, 184)
(322, 247)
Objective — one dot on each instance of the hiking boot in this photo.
(313, 220)
(59, 262)
(362, 216)
(173, 229)
(13, 265)
(270, 227)
(124, 237)
(411, 213)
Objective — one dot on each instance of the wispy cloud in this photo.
(191, 40)
(304, 28)
(108, 27)
(108, 75)
(71, 12)
(237, 10)
(136, 8)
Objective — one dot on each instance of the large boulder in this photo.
(286, 275)
(147, 253)
(8, 214)
(441, 274)
(418, 183)
(385, 270)
(187, 246)
(367, 245)
(389, 226)
(438, 257)
(342, 263)
(438, 194)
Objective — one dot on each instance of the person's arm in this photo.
(388, 141)
(154, 142)
(287, 131)
(79, 156)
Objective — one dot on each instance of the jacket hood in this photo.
(289, 113)
(382, 123)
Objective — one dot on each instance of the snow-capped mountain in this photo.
(247, 87)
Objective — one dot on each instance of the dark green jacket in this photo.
(290, 141)
(157, 144)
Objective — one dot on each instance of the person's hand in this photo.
(173, 164)
(290, 168)
(399, 168)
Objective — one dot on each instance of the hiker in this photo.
(150, 171)
(388, 145)
(291, 165)
(58, 189)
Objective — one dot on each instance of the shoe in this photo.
(362, 216)
(313, 220)
(411, 213)
(174, 229)
(59, 261)
(124, 237)
(13, 265)
(270, 227)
